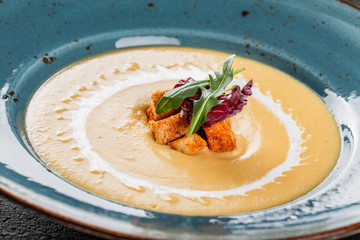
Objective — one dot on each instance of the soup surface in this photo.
(88, 123)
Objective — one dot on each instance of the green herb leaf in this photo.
(174, 98)
(209, 96)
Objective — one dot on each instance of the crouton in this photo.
(220, 137)
(151, 113)
(189, 144)
(169, 129)
(155, 98)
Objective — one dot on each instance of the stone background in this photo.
(17, 222)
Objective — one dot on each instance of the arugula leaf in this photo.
(209, 96)
(208, 99)
(174, 98)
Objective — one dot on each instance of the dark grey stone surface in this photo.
(17, 222)
(356, 2)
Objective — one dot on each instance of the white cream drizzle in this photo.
(86, 105)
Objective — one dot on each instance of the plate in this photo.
(317, 42)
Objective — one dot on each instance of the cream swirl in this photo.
(86, 106)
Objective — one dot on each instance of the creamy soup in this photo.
(89, 124)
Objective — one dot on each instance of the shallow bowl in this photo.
(317, 42)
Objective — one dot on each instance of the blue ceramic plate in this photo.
(318, 42)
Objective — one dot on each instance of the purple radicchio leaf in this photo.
(232, 103)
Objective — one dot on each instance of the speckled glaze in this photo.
(318, 42)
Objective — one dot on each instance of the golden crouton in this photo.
(151, 113)
(189, 144)
(220, 137)
(155, 98)
(169, 129)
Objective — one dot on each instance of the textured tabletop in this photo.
(17, 222)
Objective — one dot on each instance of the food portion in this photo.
(198, 107)
(220, 136)
(155, 98)
(189, 144)
(169, 129)
(90, 124)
